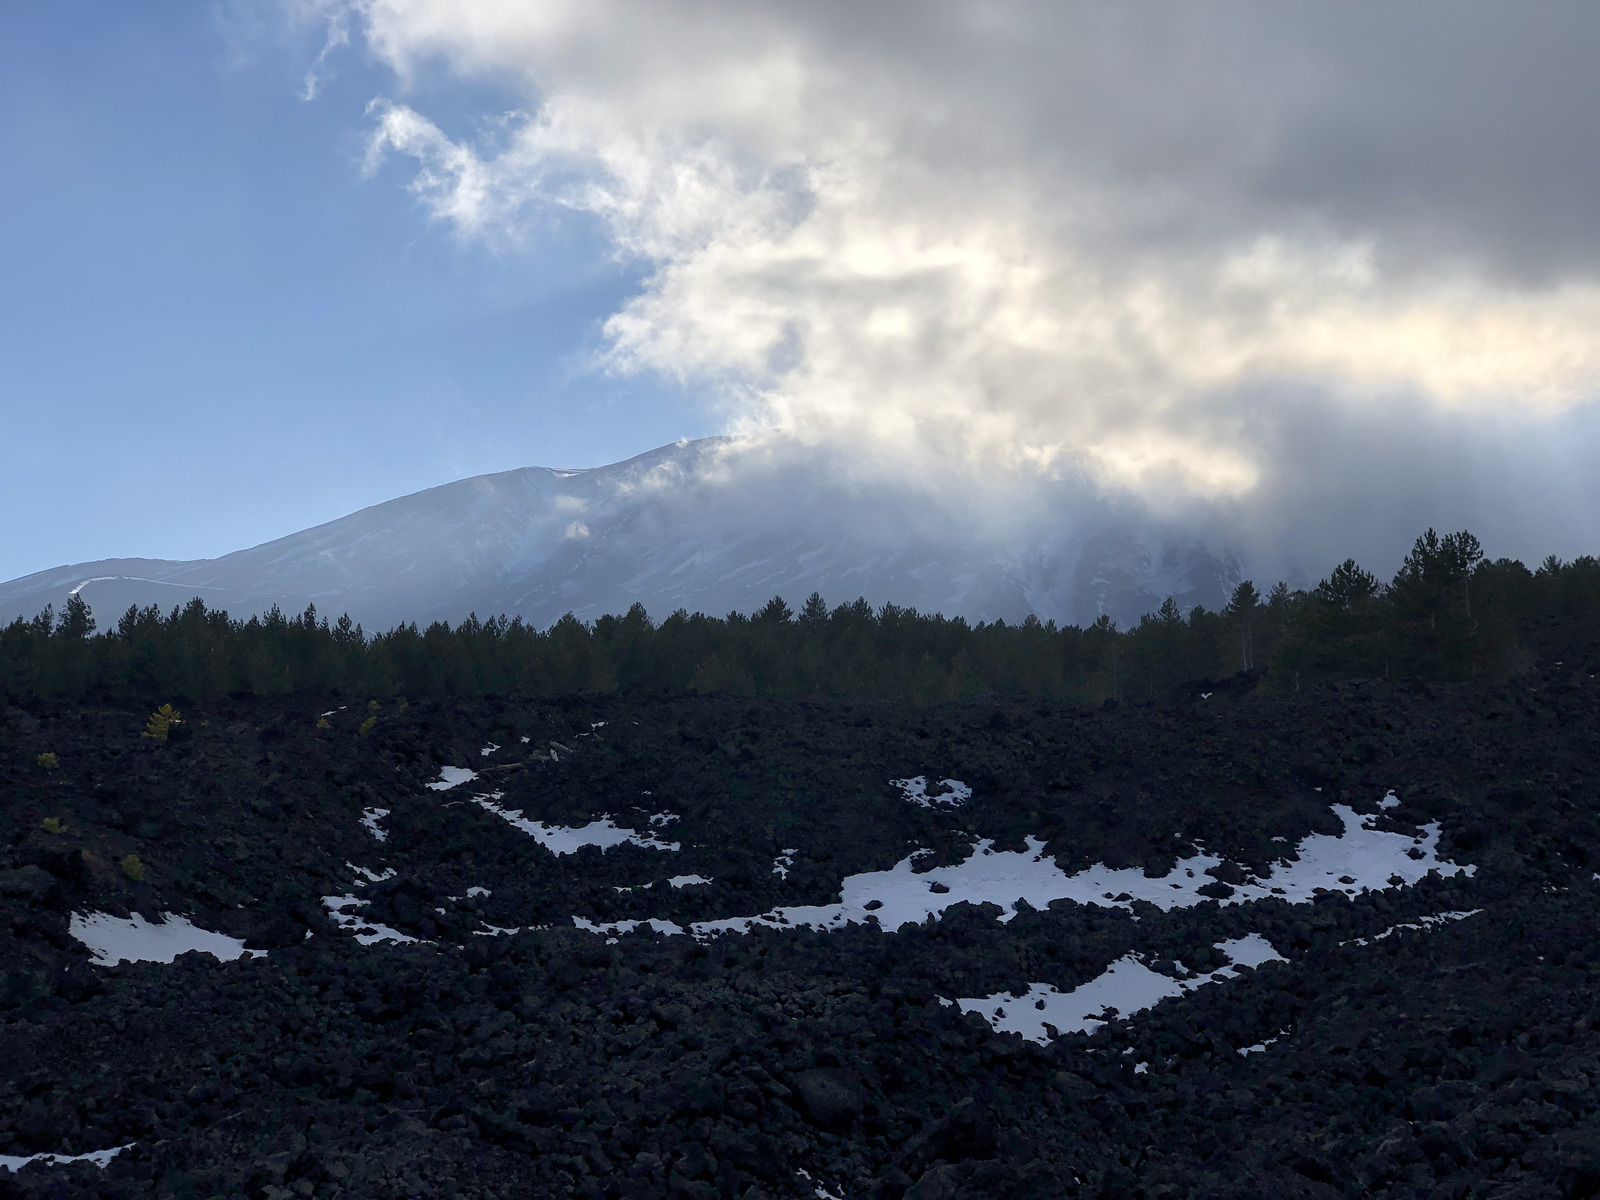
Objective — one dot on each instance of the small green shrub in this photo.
(368, 725)
(161, 722)
(51, 825)
(49, 761)
(133, 868)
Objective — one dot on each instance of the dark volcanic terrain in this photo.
(507, 1051)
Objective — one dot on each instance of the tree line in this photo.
(1449, 613)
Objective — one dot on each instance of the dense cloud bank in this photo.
(1308, 271)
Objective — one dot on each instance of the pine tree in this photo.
(774, 612)
(161, 722)
(76, 621)
(1348, 587)
(1434, 581)
(1432, 596)
(814, 614)
(1241, 611)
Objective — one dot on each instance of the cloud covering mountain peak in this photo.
(1130, 243)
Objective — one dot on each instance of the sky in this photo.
(1315, 276)
(215, 329)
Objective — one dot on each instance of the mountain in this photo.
(709, 525)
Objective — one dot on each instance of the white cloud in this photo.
(330, 20)
(970, 237)
(338, 36)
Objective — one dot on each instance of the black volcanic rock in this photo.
(31, 883)
(1402, 1049)
(830, 1096)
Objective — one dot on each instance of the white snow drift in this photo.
(613, 928)
(1126, 987)
(112, 940)
(947, 793)
(569, 839)
(366, 932)
(368, 875)
(1425, 922)
(450, 777)
(1363, 859)
(99, 1158)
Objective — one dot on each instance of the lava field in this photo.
(1341, 942)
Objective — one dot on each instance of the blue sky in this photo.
(214, 330)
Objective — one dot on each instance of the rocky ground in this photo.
(506, 1051)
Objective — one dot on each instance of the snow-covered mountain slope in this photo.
(706, 526)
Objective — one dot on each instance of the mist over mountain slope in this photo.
(710, 525)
